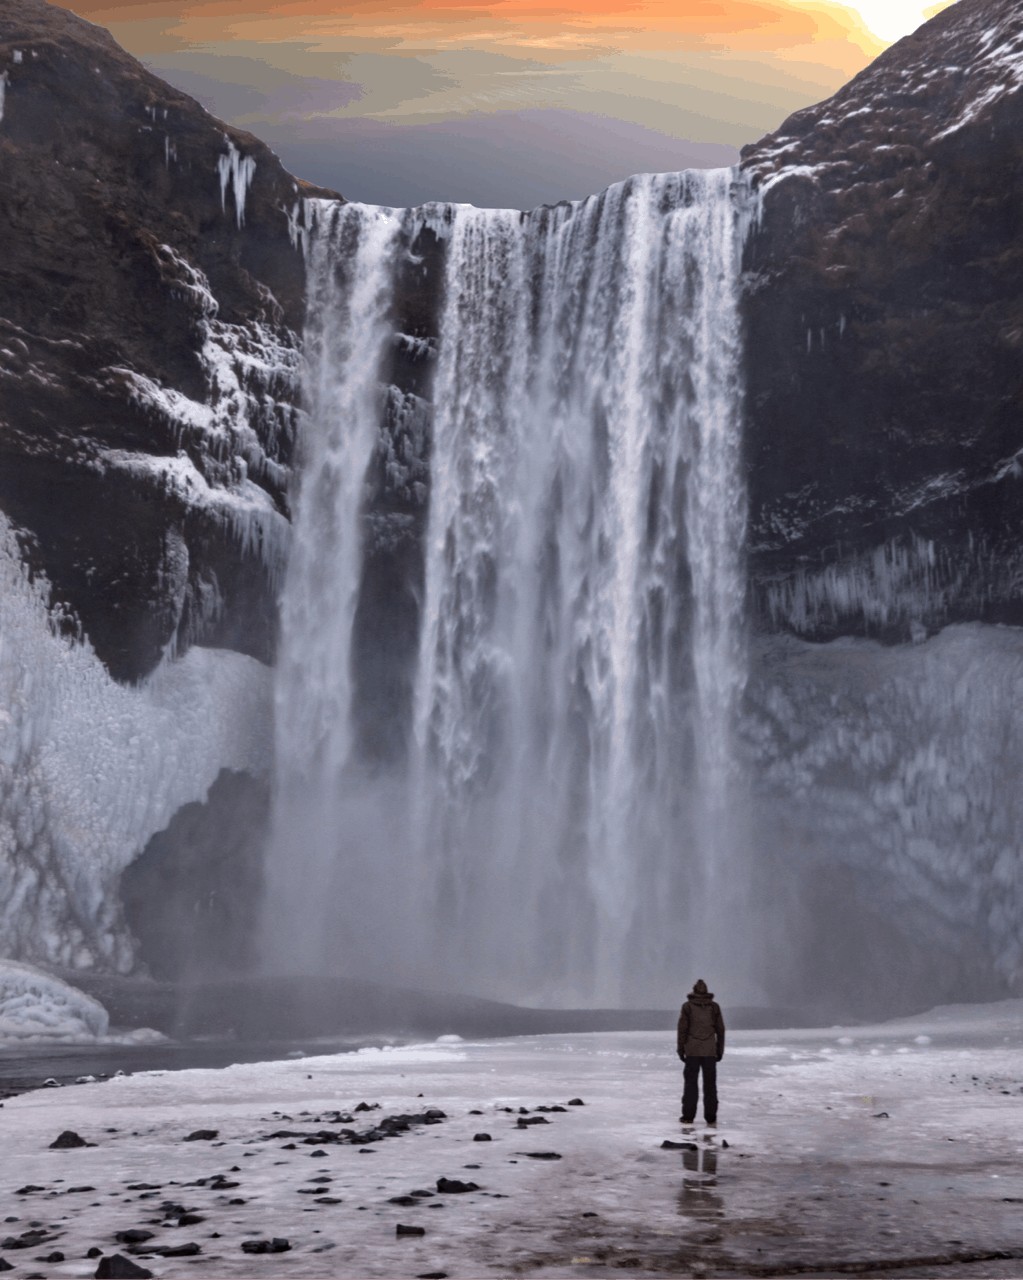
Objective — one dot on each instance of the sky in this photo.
(508, 103)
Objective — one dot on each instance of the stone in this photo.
(67, 1139)
(55, 1256)
(541, 1155)
(452, 1186)
(133, 1236)
(403, 1200)
(278, 1244)
(432, 1275)
(190, 1219)
(5, 1265)
(668, 1145)
(94, 1252)
(481, 1137)
(180, 1250)
(402, 1230)
(201, 1135)
(117, 1267)
(576, 1102)
(328, 1200)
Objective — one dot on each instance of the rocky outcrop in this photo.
(151, 291)
(885, 340)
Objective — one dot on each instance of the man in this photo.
(701, 1046)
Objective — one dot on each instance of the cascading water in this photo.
(561, 827)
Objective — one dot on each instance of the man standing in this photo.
(701, 1046)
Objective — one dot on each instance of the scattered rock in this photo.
(403, 1200)
(576, 1102)
(591, 1214)
(142, 1186)
(190, 1219)
(541, 1155)
(328, 1200)
(523, 1123)
(55, 1256)
(882, 1115)
(134, 1236)
(71, 1190)
(365, 1106)
(27, 1189)
(668, 1145)
(475, 1113)
(94, 1253)
(277, 1245)
(402, 1230)
(118, 1267)
(451, 1186)
(180, 1250)
(432, 1275)
(5, 1265)
(481, 1137)
(201, 1135)
(421, 1194)
(69, 1139)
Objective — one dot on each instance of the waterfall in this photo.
(558, 829)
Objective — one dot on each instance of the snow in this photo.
(90, 769)
(832, 1149)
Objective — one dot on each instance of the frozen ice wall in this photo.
(565, 813)
(90, 769)
(889, 807)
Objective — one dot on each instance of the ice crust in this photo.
(843, 1145)
(90, 769)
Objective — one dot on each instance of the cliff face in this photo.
(151, 291)
(885, 337)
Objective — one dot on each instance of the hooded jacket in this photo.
(701, 1028)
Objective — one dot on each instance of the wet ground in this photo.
(892, 1150)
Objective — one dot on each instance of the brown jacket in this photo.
(701, 1028)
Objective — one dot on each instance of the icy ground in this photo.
(838, 1151)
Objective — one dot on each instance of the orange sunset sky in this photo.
(510, 102)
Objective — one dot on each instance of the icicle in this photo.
(238, 170)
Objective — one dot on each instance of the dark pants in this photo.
(691, 1073)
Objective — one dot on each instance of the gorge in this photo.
(585, 595)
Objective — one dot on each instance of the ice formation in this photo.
(36, 1006)
(903, 763)
(90, 769)
(566, 801)
(237, 171)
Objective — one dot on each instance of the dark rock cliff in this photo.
(885, 338)
(151, 292)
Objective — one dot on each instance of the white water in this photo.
(562, 832)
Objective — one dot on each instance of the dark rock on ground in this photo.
(481, 1137)
(151, 297)
(118, 1267)
(133, 1236)
(201, 1135)
(541, 1155)
(68, 1139)
(278, 1244)
(884, 325)
(452, 1186)
(402, 1230)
